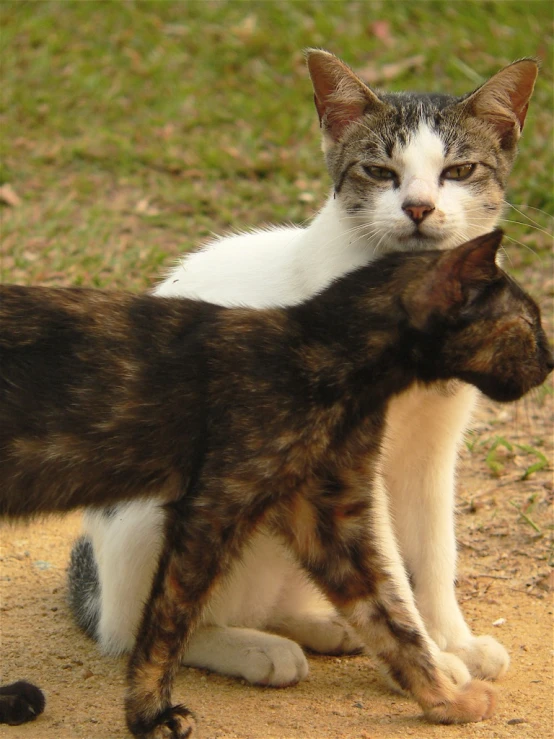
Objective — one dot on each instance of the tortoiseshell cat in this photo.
(236, 417)
(409, 171)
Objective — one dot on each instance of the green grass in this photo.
(499, 454)
(133, 130)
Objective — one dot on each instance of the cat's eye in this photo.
(380, 173)
(458, 172)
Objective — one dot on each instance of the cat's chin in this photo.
(417, 242)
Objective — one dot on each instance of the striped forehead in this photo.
(421, 154)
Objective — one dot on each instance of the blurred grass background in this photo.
(131, 131)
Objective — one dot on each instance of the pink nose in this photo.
(418, 211)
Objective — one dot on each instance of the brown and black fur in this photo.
(235, 416)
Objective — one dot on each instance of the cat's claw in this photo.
(485, 658)
(474, 702)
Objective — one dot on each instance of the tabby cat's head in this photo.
(414, 170)
(473, 322)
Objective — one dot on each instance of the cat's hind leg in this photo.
(200, 543)
(111, 571)
(305, 615)
(261, 658)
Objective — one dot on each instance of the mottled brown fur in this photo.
(235, 417)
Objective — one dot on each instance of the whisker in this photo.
(529, 225)
(525, 246)
(521, 213)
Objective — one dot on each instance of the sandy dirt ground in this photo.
(505, 586)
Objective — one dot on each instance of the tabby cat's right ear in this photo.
(503, 100)
(340, 96)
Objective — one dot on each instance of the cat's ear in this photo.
(340, 96)
(503, 100)
(457, 278)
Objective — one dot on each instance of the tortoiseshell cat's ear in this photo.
(339, 95)
(503, 100)
(456, 277)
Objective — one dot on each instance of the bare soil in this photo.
(505, 585)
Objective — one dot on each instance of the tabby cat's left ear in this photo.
(456, 278)
(503, 100)
(340, 96)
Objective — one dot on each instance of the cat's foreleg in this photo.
(168, 618)
(359, 567)
(200, 543)
(425, 428)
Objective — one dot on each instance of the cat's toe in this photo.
(449, 664)
(333, 636)
(277, 665)
(175, 722)
(484, 657)
(454, 668)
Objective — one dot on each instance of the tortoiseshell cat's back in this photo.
(236, 416)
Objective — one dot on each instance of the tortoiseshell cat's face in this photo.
(507, 349)
(419, 171)
(476, 323)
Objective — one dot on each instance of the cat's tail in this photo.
(84, 587)
(20, 702)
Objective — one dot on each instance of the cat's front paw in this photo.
(474, 702)
(175, 722)
(484, 657)
(276, 664)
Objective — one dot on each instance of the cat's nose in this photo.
(417, 211)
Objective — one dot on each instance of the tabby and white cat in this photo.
(410, 171)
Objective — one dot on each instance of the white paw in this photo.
(332, 636)
(278, 664)
(453, 668)
(485, 658)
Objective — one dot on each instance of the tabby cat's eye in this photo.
(458, 172)
(380, 173)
